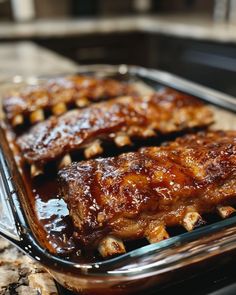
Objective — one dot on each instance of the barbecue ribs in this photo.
(58, 94)
(120, 119)
(138, 194)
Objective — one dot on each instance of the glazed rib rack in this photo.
(120, 120)
(139, 194)
(57, 95)
(135, 196)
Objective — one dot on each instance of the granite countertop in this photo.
(189, 26)
(19, 274)
(28, 59)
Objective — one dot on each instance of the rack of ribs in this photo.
(140, 194)
(56, 95)
(120, 120)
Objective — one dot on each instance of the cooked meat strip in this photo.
(63, 90)
(118, 119)
(137, 194)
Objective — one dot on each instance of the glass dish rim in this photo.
(101, 268)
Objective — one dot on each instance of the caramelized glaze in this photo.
(165, 112)
(62, 90)
(127, 196)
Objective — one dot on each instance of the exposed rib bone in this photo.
(225, 211)
(65, 161)
(93, 150)
(59, 108)
(122, 139)
(35, 170)
(18, 120)
(192, 220)
(157, 234)
(37, 116)
(82, 102)
(149, 133)
(111, 245)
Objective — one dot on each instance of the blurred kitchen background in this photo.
(195, 39)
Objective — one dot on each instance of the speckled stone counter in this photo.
(19, 274)
(28, 59)
(189, 26)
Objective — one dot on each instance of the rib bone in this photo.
(149, 133)
(157, 234)
(35, 170)
(192, 220)
(37, 116)
(122, 140)
(59, 109)
(111, 245)
(65, 161)
(17, 120)
(82, 102)
(93, 150)
(225, 211)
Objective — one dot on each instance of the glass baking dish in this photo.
(140, 269)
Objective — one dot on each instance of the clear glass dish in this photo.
(140, 269)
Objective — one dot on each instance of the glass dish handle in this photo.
(8, 227)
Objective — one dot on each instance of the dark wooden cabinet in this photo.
(130, 48)
(208, 63)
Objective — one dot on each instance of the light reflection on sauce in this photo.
(45, 210)
(52, 214)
